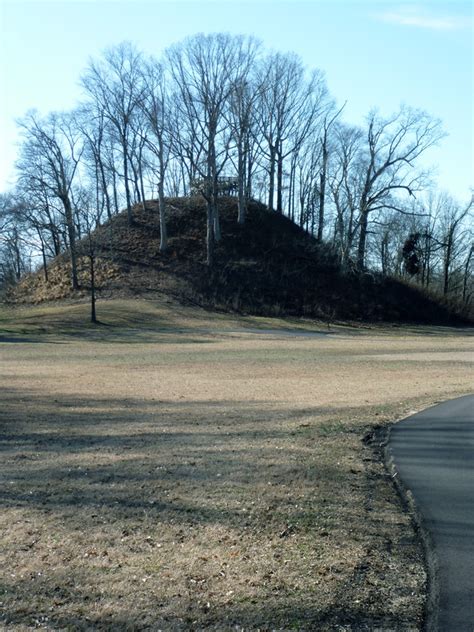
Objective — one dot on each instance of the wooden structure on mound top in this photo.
(226, 185)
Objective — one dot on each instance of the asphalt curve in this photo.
(433, 453)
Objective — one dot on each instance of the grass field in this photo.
(172, 469)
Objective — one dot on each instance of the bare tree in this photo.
(304, 184)
(453, 232)
(329, 119)
(115, 87)
(42, 222)
(240, 115)
(434, 239)
(392, 147)
(156, 108)
(467, 284)
(344, 183)
(288, 105)
(213, 104)
(90, 247)
(12, 255)
(204, 70)
(309, 170)
(49, 160)
(427, 212)
(6, 204)
(95, 130)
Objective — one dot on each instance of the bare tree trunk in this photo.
(43, 256)
(384, 254)
(162, 210)
(249, 168)
(56, 241)
(466, 274)
(142, 187)
(291, 210)
(362, 240)
(428, 270)
(210, 234)
(92, 275)
(447, 264)
(311, 231)
(114, 184)
(217, 223)
(212, 174)
(140, 174)
(271, 184)
(280, 182)
(301, 218)
(322, 189)
(184, 180)
(16, 250)
(72, 241)
(98, 206)
(242, 203)
(105, 191)
(127, 183)
(136, 186)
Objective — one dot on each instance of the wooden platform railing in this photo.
(226, 185)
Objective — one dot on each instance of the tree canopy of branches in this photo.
(114, 86)
(219, 107)
(48, 162)
(206, 70)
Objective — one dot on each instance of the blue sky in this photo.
(376, 53)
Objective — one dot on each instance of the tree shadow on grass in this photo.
(119, 466)
(21, 339)
(183, 613)
(124, 455)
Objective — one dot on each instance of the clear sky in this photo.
(374, 53)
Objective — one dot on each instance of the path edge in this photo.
(431, 608)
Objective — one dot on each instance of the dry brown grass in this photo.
(183, 473)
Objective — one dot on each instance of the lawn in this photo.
(173, 469)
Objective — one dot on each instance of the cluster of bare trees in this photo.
(219, 105)
(439, 248)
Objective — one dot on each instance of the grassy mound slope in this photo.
(268, 266)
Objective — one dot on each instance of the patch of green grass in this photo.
(332, 427)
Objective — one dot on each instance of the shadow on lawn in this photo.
(111, 334)
(115, 325)
(19, 338)
(113, 465)
(253, 614)
(127, 456)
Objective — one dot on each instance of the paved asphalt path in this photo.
(433, 452)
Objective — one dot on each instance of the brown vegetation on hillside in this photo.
(267, 266)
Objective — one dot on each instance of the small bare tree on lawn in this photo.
(89, 246)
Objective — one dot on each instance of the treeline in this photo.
(218, 106)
